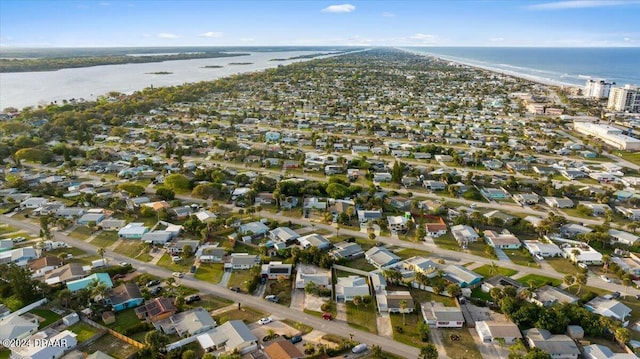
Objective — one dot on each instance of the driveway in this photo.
(297, 299)
(502, 257)
(384, 325)
(341, 309)
(489, 350)
(225, 279)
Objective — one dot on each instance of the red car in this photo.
(327, 316)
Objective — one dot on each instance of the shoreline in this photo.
(532, 78)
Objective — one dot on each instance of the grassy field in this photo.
(7, 229)
(633, 157)
(465, 347)
(421, 296)
(75, 251)
(486, 272)
(521, 257)
(210, 302)
(124, 319)
(246, 314)
(210, 272)
(105, 239)
(360, 263)
(5, 353)
(447, 242)
(563, 265)
(81, 232)
(84, 331)
(409, 335)
(332, 309)
(136, 249)
(239, 278)
(280, 289)
(111, 346)
(362, 317)
(303, 328)
(182, 266)
(539, 280)
(478, 293)
(411, 252)
(49, 316)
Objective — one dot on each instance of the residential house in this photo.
(597, 209)
(70, 212)
(17, 327)
(381, 257)
(33, 202)
(314, 240)
(543, 249)
(631, 213)
(436, 229)
(382, 177)
(78, 284)
(397, 223)
(504, 240)
(500, 216)
(498, 332)
(39, 267)
(156, 309)
(112, 224)
(182, 212)
(276, 269)
(558, 346)
(434, 185)
(253, 229)
(18, 256)
(283, 235)
(231, 336)
(306, 274)
(133, 230)
(393, 301)
(622, 237)
(500, 282)
(209, 253)
(556, 202)
(314, 203)
(185, 324)
(205, 216)
(493, 194)
(283, 349)
(610, 308)
(125, 296)
(582, 254)
(156, 206)
(420, 265)
(157, 237)
(597, 351)
(347, 250)
(99, 355)
(401, 203)
(572, 229)
(243, 261)
(461, 276)
(179, 246)
(464, 234)
(264, 198)
(438, 316)
(351, 286)
(547, 296)
(46, 346)
(365, 216)
(91, 217)
(65, 273)
(526, 199)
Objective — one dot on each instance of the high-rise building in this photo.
(625, 98)
(597, 88)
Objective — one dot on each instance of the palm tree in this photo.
(101, 251)
(493, 268)
(403, 309)
(581, 279)
(100, 289)
(65, 297)
(605, 262)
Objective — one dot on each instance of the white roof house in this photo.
(464, 234)
(609, 308)
(55, 347)
(307, 273)
(17, 327)
(19, 256)
(559, 346)
(623, 237)
(283, 234)
(314, 240)
(254, 228)
(351, 286)
(230, 336)
(543, 249)
(494, 331)
(583, 254)
(597, 351)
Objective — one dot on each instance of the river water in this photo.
(21, 89)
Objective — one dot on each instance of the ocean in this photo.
(569, 66)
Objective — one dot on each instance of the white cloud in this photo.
(211, 34)
(579, 4)
(339, 8)
(426, 38)
(388, 14)
(166, 35)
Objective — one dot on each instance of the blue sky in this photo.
(28, 23)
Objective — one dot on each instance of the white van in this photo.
(360, 348)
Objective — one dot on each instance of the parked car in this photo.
(615, 295)
(360, 348)
(19, 239)
(153, 283)
(177, 274)
(176, 259)
(296, 339)
(235, 289)
(192, 298)
(272, 298)
(265, 320)
(605, 278)
(192, 269)
(124, 264)
(155, 291)
(327, 316)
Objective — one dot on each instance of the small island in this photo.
(159, 73)
(212, 67)
(241, 63)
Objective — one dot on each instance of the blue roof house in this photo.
(76, 285)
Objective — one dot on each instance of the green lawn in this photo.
(563, 265)
(360, 263)
(420, 296)
(136, 249)
(447, 241)
(521, 257)
(210, 272)
(75, 251)
(539, 280)
(240, 278)
(124, 319)
(182, 266)
(478, 293)
(246, 314)
(105, 239)
(410, 252)
(465, 347)
(280, 289)
(84, 331)
(5, 353)
(303, 328)
(633, 157)
(81, 232)
(332, 309)
(49, 316)
(486, 271)
(210, 302)
(7, 229)
(409, 335)
(362, 317)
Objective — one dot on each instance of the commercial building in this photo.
(597, 88)
(625, 98)
(610, 135)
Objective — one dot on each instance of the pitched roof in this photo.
(48, 261)
(283, 349)
(124, 293)
(157, 306)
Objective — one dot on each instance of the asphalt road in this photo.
(276, 311)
